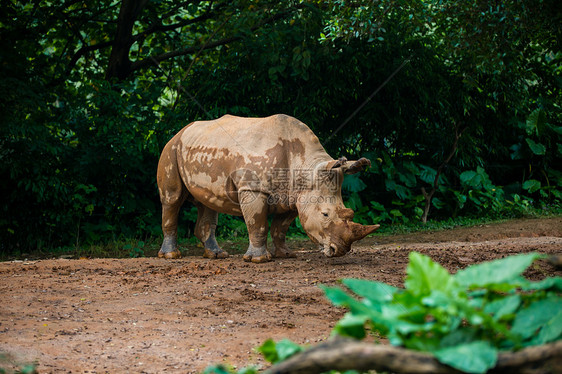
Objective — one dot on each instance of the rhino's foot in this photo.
(257, 259)
(257, 255)
(172, 254)
(283, 252)
(210, 254)
(169, 248)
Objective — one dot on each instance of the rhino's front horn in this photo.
(359, 231)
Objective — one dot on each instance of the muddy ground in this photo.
(152, 315)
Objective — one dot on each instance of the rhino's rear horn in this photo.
(348, 167)
(356, 166)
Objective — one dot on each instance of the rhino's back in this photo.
(211, 153)
(273, 141)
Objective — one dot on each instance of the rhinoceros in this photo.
(255, 167)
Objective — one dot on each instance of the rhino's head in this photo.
(322, 213)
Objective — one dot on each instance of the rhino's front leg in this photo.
(205, 231)
(254, 209)
(279, 227)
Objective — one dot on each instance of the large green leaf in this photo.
(537, 148)
(375, 291)
(408, 176)
(495, 272)
(552, 330)
(473, 357)
(535, 316)
(402, 192)
(427, 174)
(269, 351)
(517, 152)
(471, 179)
(457, 337)
(280, 351)
(339, 297)
(532, 185)
(554, 283)
(354, 202)
(286, 348)
(424, 276)
(351, 325)
(353, 183)
(503, 306)
(536, 122)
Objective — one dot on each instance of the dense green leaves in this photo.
(91, 99)
(463, 319)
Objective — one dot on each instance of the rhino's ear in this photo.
(352, 167)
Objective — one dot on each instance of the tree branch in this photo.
(151, 60)
(141, 64)
(346, 354)
(429, 195)
(159, 28)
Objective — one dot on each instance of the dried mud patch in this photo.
(152, 315)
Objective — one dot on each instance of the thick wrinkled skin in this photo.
(255, 167)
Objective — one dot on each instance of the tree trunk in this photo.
(119, 63)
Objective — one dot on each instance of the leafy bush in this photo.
(464, 319)
(482, 309)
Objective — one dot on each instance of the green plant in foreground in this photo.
(464, 319)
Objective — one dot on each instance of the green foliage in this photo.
(84, 117)
(464, 319)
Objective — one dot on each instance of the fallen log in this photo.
(345, 354)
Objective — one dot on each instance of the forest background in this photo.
(456, 103)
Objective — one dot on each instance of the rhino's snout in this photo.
(332, 250)
(340, 243)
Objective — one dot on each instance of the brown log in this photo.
(343, 354)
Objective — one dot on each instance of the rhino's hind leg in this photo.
(205, 231)
(254, 209)
(172, 196)
(279, 227)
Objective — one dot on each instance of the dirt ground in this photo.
(150, 315)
